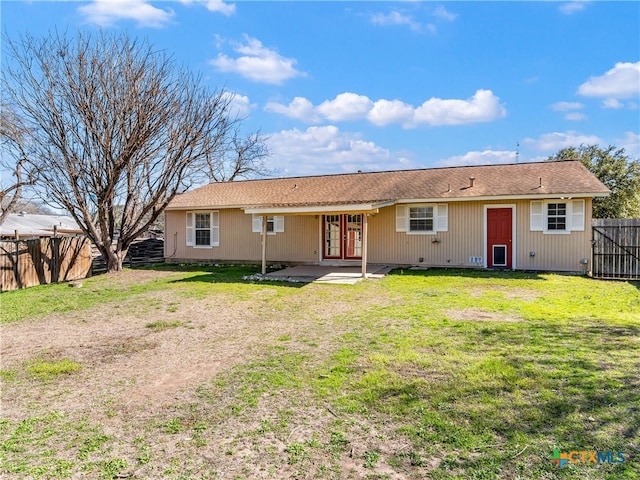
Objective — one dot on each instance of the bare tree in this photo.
(239, 157)
(12, 160)
(114, 122)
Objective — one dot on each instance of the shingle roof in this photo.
(452, 183)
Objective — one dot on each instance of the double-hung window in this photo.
(203, 229)
(557, 216)
(422, 218)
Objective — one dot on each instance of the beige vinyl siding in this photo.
(453, 248)
(298, 242)
(558, 252)
(464, 238)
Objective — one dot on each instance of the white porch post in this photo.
(364, 245)
(264, 244)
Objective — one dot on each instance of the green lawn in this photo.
(439, 374)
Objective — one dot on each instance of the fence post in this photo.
(16, 268)
(55, 254)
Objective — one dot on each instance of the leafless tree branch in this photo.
(13, 159)
(118, 129)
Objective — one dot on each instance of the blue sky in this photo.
(346, 86)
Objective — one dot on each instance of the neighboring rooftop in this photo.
(32, 225)
(452, 183)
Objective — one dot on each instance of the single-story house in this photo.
(529, 216)
(27, 225)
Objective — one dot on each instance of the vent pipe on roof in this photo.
(471, 180)
(540, 184)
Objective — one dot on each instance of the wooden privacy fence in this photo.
(141, 253)
(26, 263)
(616, 248)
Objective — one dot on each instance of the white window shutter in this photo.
(537, 216)
(191, 237)
(278, 224)
(577, 215)
(402, 218)
(442, 217)
(215, 229)
(256, 224)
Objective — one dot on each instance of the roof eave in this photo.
(310, 209)
(318, 210)
(481, 198)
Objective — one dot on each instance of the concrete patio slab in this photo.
(327, 274)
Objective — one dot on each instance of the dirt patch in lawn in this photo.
(161, 366)
(476, 315)
(154, 348)
(523, 294)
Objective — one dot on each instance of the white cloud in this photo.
(575, 116)
(345, 107)
(483, 106)
(570, 108)
(612, 103)
(386, 112)
(631, 144)
(300, 108)
(394, 18)
(551, 142)
(566, 106)
(442, 13)
(258, 63)
(570, 8)
(622, 81)
(322, 150)
(218, 6)
(107, 12)
(239, 105)
(486, 157)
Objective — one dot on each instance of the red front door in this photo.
(499, 237)
(342, 237)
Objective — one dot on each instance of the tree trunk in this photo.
(114, 259)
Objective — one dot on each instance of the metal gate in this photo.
(616, 248)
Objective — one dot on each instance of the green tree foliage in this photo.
(617, 171)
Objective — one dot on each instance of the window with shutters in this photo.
(275, 224)
(422, 219)
(557, 216)
(203, 229)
